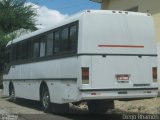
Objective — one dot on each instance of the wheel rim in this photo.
(45, 99)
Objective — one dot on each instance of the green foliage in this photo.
(14, 15)
(4, 39)
(1, 81)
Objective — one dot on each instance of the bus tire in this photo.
(97, 106)
(45, 99)
(12, 97)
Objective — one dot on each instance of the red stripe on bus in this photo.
(122, 46)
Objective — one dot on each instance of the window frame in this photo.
(30, 46)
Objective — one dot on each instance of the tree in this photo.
(4, 39)
(14, 15)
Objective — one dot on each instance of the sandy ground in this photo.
(147, 106)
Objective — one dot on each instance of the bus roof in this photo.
(73, 18)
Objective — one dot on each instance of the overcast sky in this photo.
(52, 11)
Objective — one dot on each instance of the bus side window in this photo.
(36, 48)
(42, 46)
(64, 40)
(24, 50)
(29, 49)
(73, 38)
(56, 43)
(49, 49)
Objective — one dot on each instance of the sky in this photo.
(51, 12)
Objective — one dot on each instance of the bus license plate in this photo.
(122, 77)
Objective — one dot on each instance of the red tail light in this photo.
(85, 75)
(154, 74)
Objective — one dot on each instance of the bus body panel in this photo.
(103, 82)
(118, 34)
(60, 76)
(118, 95)
(119, 44)
(105, 71)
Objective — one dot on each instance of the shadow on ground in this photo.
(74, 113)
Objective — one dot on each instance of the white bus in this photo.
(95, 56)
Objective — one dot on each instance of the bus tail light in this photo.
(154, 74)
(85, 75)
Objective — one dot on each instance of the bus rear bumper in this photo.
(118, 94)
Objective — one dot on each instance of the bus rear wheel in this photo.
(45, 99)
(12, 97)
(99, 106)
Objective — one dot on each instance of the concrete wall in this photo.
(104, 4)
(157, 25)
(158, 46)
(152, 6)
(120, 4)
